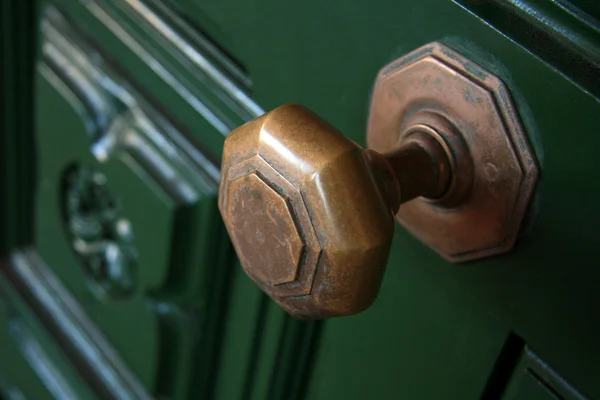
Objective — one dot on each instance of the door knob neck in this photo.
(420, 167)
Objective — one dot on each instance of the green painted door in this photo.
(118, 280)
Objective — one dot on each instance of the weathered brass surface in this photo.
(495, 170)
(306, 213)
(311, 214)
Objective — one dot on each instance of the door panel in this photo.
(158, 189)
(134, 99)
(267, 352)
(201, 91)
(131, 253)
(325, 56)
(396, 347)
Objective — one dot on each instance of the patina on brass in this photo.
(311, 214)
(495, 170)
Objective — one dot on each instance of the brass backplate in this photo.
(494, 167)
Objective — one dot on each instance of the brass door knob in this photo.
(311, 214)
(297, 196)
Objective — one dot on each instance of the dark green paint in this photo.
(26, 349)
(18, 39)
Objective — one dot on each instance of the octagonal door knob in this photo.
(311, 214)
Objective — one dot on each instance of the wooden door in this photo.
(118, 279)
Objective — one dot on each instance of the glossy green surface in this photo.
(196, 327)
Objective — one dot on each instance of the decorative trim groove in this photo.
(99, 363)
(37, 358)
(122, 125)
(149, 16)
(121, 122)
(559, 36)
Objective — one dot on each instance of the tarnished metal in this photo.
(289, 168)
(311, 214)
(494, 168)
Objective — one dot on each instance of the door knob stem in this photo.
(420, 167)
